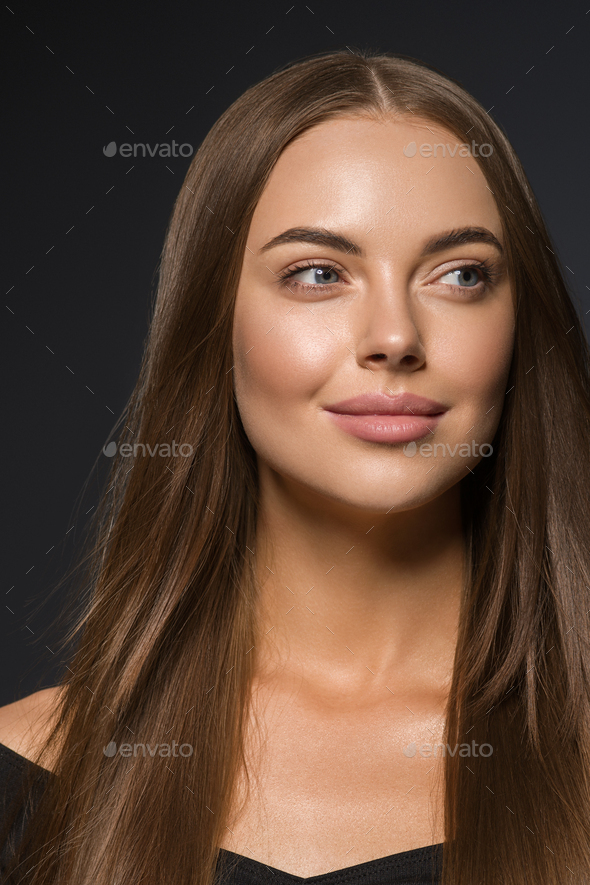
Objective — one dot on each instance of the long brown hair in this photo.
(166, 640)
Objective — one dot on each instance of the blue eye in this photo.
(465, 277)
(318, 273)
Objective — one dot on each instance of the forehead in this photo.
(352, 173)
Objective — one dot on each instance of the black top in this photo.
(414, 867)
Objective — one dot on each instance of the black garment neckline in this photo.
(400, 858)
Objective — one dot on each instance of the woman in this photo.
(345, 609)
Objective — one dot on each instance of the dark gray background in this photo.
(83, 232)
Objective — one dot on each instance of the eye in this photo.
(467, 277)
(319, 276)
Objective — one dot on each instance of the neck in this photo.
(354, 600)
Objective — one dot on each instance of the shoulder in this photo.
(25, 724)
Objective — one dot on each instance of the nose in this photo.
(387, 334)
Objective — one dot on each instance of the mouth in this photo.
(379, 417)
(387, 428)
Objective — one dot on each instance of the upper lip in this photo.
(385, 404)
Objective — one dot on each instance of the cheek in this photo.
(475, 361)
(281, 359)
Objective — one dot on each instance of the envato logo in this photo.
(163, 150)
(128, 750)
(464, 749)
(465, 450)
(165, 450)
(433, 150)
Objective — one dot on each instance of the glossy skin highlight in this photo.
(359, 550)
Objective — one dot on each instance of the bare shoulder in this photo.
(25, 724)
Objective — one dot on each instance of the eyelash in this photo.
(487, 269)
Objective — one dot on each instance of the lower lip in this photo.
(387, 428)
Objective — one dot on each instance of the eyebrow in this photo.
(462, 237)
(333, 240)
(317, 236)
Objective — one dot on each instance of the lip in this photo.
(379, 417)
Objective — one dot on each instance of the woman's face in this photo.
(396, 307)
